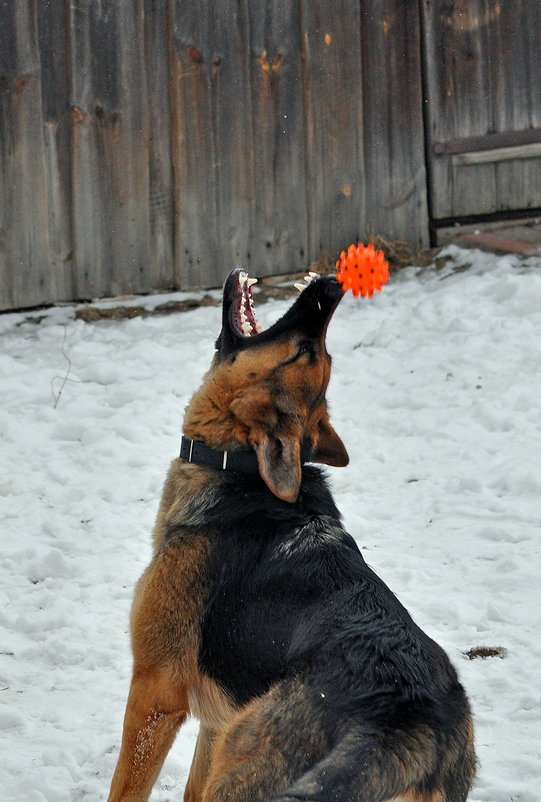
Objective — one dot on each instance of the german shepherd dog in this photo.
(258, 614)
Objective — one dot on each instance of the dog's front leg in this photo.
(165, 621)
(153, 716)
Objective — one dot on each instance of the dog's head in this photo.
(265, 390)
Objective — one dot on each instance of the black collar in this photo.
(243, 461)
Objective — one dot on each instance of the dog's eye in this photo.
(306, 347)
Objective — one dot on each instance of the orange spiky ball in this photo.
(362, 270)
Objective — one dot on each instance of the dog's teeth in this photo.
(251, 282)
(300, 287)
(243, 278)
(313, 275)
(308, 278)
(246, 328)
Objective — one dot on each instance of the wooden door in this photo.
(482, 82)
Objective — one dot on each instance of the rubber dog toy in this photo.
(362, 270)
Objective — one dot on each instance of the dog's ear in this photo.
(279, 460)
(330, 450)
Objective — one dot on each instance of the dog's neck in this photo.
(197, 497)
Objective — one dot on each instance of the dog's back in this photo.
(295, 615)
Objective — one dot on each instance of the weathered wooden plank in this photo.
(280, 236)
(459, 101)
(161, 272)
(474, 144)
(111, 207)
(394, 159)
(193, 149)
(483, 75)
(334, 133)
(212, 139)
(57, 143)
(515, 59)
(532, 151)
(25, 278)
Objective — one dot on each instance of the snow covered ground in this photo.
(436, 392)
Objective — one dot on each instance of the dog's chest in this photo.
(209, 703)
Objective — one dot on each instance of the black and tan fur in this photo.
(259, 615)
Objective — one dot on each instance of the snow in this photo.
(435, 391)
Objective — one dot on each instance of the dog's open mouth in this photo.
(242, 316)
(308, 316)
(242, 313)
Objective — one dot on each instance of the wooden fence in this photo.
(155, 144)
